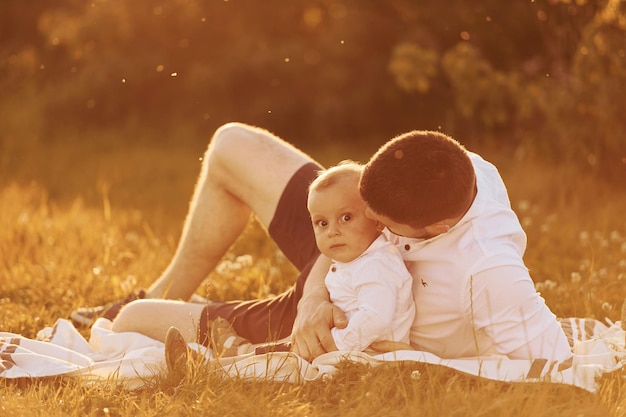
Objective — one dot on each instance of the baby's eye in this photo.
(346, 217)
(321, 223)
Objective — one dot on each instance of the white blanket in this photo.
(131, 358)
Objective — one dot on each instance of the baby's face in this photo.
(342, 231)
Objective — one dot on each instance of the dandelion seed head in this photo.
(584, 236)
(523, 205)
(615, 236)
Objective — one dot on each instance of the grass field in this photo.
(82, 226)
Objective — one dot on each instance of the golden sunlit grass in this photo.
(93, 230)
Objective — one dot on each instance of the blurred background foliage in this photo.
(540, 77)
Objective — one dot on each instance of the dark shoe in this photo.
(176, 352)
(85, 316)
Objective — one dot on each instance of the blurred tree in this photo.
(548, 76)
(543, 74)
(598, 88)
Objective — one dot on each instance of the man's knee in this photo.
(229, 137)
(224, 144)
(234, 145)
(129, 316)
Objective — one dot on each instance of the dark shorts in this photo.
(271, 319)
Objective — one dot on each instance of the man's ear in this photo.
(368, 213)
(380, 226)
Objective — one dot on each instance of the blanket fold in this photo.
(131, 358)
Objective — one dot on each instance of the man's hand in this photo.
(311, 336)
(311, 332)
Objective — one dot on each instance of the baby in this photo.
(368, 279)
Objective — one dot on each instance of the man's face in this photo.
(400, 229)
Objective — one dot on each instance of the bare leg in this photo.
(244, 170)
(153, 317)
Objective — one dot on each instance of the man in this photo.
(445, 208)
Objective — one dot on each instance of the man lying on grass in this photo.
(446, 209)
(367, 279)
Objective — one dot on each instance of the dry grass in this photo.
(96, 225)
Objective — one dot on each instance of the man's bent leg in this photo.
(245, 169)
(266, 320)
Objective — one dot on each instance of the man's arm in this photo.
(316, 315)
(507, 307)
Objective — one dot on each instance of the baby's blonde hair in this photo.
(343, 170)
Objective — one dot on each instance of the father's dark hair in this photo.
(419, 178)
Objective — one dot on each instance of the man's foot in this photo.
(85, 316)
(176, 352)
